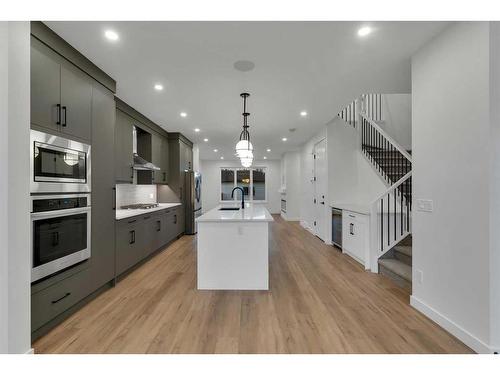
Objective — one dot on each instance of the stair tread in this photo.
(396, 266)
(406, 250)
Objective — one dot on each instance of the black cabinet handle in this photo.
(114, 198)
(65, 115)
(164, 176)
(132, 237)
(175, 219)
(132, 174)
(322, 202)
(159, 226)
(351, 229)
(58, 106)
(60, 299)
(132, 221)
(146, 217)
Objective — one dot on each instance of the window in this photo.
(251, 180)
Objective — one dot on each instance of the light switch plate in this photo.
(426, 205)
(420, 276)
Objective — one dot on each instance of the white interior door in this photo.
(320, 189)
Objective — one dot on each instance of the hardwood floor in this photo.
(320, 302)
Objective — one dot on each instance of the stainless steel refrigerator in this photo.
(192, 183)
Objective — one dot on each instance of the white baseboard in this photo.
(31, 351)
(460, 333)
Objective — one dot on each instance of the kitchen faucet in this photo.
(242, 196)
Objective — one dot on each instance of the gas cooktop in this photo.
(138, 206)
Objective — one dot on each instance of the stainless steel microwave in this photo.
(58, 165)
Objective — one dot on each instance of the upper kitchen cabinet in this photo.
(151, 145)
(124, 158)
(159, 155)
(61, 94)
(45, 86)
(76, 102)
(180, 160)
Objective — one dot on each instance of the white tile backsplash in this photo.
(131, 193)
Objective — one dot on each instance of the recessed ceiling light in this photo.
(205, 140)
(183, 114)
(158, 87)
(265, 157)
(284, 139)
(303, 113)
(268, 150)
(215, 150)
(111, 35)
(197, 130)
(364, 31)
(222, 158)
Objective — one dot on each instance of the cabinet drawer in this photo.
(52, 301)
(129, 244)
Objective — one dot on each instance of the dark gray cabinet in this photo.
(139, 236)
(61, 94)
(180, 159)
(124, 158)
(76, 102)
(54, 300)
(45, 86)
(129, 243)
(160, 158)
(103, 187)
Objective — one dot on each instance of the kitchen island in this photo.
(233, 248)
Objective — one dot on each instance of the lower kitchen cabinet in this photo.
(57, 298)
(130, 241)
(140, 236)
(355, 236)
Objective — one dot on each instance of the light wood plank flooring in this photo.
(320, 302)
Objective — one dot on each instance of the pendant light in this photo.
(244, 148)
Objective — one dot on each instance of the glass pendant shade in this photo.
(244, 148)
(246, 162)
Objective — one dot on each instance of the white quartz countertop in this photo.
(251, 213)
(123, 214)
(357, 208)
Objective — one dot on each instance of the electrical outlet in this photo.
(426, 205)
(420, 276)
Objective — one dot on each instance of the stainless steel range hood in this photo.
(140, 164)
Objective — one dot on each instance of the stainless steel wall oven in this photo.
(60, 232)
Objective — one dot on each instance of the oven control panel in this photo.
(53, 204)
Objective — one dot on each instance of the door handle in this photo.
(58, 107)
(65, 116)
(175, 219)
(322, 202)
(114, 198)
(351, 229)
(132, 237)
(159, 226)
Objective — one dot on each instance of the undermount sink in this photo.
(229, 209)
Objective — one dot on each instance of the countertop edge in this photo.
(134, 213)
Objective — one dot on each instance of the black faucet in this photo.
(242, 196)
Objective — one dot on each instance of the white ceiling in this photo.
(312, 66)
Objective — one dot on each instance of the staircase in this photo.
(390, 226)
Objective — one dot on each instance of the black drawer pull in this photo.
(132, 237)
(132, 221)
(146, 217)
(60, 299)
(158, 229)
(352, 216)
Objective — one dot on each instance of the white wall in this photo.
(451, 135)
(396, 116)
(494, 139)
(14, 191)
(210, 190)
(291, 165)
(352, 178)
